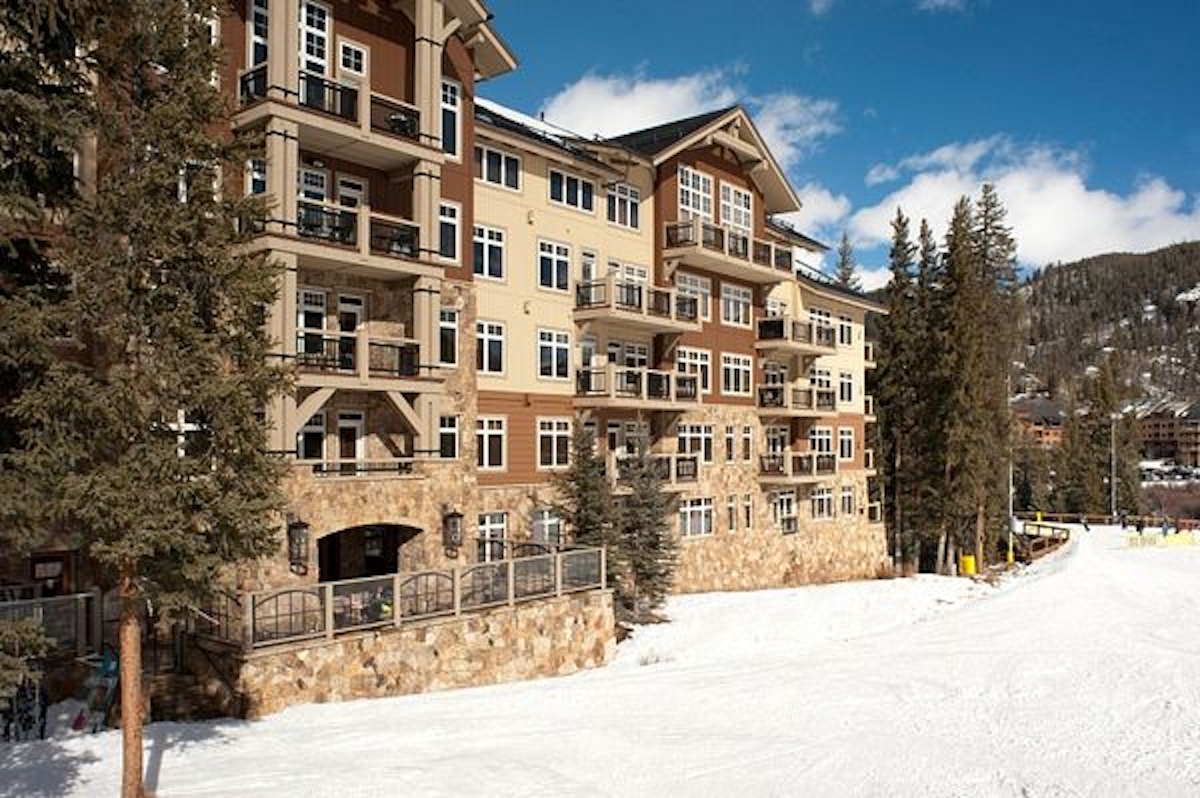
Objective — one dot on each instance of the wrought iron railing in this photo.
(320, 94)
(72, 623)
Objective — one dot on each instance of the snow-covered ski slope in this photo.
(1078, 677)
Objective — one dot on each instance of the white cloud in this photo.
(820, 7)
(1054, 213)
(822, 213)
(609, 105)
(941, 5)
(873, 279)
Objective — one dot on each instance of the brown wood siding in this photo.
(860, 443)
(385, 195)
(458, 184)
(233, 47)
(389, 34)
(522, 411)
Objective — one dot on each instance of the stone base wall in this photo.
(554, 637)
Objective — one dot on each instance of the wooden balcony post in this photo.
(327, 599)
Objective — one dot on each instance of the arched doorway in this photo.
(369, 550)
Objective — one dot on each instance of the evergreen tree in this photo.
(585, 501)
(648, 546)
(844, 275)
(21, 642)
(148, 444)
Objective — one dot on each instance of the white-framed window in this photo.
(352, 191)
(490, 442)
(777, 439)
(748, 512)
(310, 440)
(448, 336)
(314, 184)
(695, 194)
(845, 387)
(448, 437)
(820, 317)
(820, 440)
(737, 208)
(783, 508)
(574, 192)
(587, 265)
(822, 379)
(489, 252)
(730, 443)
(737, 375)
(735, 305)
(493, 529)
(352, 61)
(845, 331)
(731, 512)
(546, 526)
(256, 31)
(747, 443)
(822, 504)
(256, 176)
(848, 500)
(624, 205)
(696, 439)
(449, 214)
(695, 361)
(489, 347)
(699, 287)
(554, 442)
(845, 443)
(775, 307)
(314, 37)
(554, 266)
(554, 354)
(498, 168)
(451, 116)
(695, 517)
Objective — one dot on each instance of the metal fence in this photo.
(72, 624)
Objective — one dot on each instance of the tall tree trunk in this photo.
(131, 683)
(980, 523)
(940, 565)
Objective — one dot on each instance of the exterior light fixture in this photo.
(297, 541)
(452, 530)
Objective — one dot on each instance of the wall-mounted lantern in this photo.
(297, 541)
(452, 530)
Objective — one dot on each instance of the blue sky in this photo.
(1086, 115)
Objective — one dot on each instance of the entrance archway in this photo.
(369, 550)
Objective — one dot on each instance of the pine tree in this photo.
(585, 501)
(21, 642)
(845, 272)
(648, 547)
(148, 444)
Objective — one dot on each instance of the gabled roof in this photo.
(653, 140)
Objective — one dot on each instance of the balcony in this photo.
(335, 119)
(635, 387)
(677, 471)
(357, 360)
(636, 305)
(727, 252)
(784, 400)
(869, 459)
(799, 337)
(389, 468)
(869, 355)
(869, 408)
(875, 513)
(796, 468)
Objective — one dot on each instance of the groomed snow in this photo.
(1077, 677)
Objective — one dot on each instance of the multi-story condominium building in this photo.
(1171, 431)
(462, 285)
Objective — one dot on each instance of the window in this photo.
(256, 176)
(489, 252)
(730, 443)
(695, 517)
(314, 30)
(845, 387)
(820, 440)
(822, 504)
(572, 191)
(489, 443)
(623, 205)
(489, 343)
(448, 437)
(736, 374)
(310, 440)
(493, 528)
(848, 500)
(699, 287)
(546, 526)
(731, 512)
(735, 305)
(747, 512)
(821, 318)
(352, 61)
(554, 354)
(695, 194)
(258, 33)
(737, 208)
(820, 378)
(554, 266)
(845, 443)
(451, 100)
(747, 443)
(784, 509)
(845, 331)
(554, 442)
(776, 307)
(448, 337)
(697, 362)
(696, 439)
(448, 216)
(498, 168)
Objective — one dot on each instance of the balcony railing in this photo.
(869, 353)
(802, 465)
(350, 467)
(321, 94)
(630, 297)
(359, 229)
(395, 118)
(252, 85)
(803, 333)
(736, 246)
(869, 459)
(72, 624)
(672, 469)
(868, 405)
(357, 352)
(637, 384)
(330, 609)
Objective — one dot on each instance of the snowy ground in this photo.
(1079, 677)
